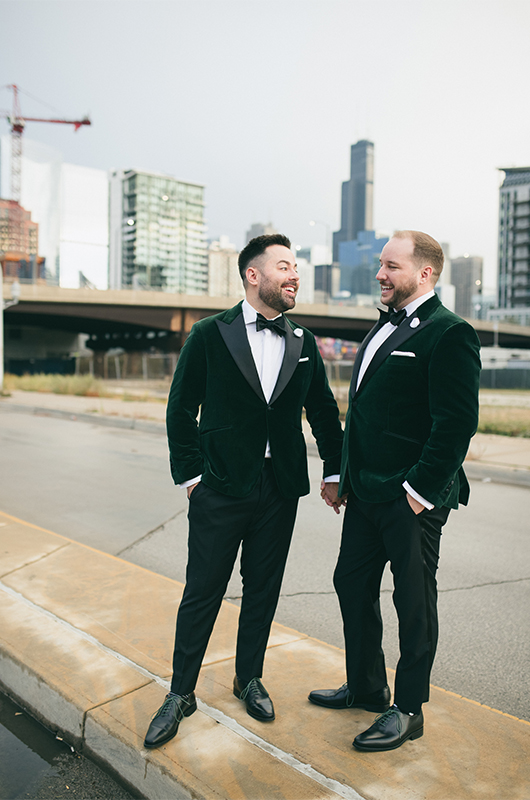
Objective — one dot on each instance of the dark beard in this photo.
(273, 298)
(401, 295)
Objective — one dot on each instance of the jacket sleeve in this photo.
(185, 398)
(453, 384)
(323, 416)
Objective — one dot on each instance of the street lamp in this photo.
(15, 297)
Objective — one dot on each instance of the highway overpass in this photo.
(135, 320)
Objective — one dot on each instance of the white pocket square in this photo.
(303, 359)
(403, 353)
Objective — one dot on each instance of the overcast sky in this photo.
(260, 101)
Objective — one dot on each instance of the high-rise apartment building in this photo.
(357, 196)
(466, 276)
(17, 231)
(157, 233)
(327, 282)
(359, 263)
(259, 229)
(224, 279)
(306, 273)
(514, 242)
(19, 243)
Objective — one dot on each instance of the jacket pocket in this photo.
(402, 438)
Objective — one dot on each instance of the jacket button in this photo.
(270, 408)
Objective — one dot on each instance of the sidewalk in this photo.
(503, 459)
(86, 642)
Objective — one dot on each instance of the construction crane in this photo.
(18, 122)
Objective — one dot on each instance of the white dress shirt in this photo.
(371, 349)
(268, 350)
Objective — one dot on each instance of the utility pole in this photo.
(15, 296)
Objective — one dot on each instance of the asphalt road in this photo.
(110, 488)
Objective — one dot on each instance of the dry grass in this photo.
(80, 385)
(502, 420)
(505, 420)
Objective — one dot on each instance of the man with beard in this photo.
(250, 371)
(413, 409)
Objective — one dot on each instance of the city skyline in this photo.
(260, 102)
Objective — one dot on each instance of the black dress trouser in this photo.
(262, 523)
(374, 533)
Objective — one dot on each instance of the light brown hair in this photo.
(426, 250)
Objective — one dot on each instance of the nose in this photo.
(380, 275)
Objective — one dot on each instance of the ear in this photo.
(426, 274)
(252, 276)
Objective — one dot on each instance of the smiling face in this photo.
(273, 281)
(400, 278)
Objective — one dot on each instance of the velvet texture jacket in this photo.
(415, 411)
(216, 374)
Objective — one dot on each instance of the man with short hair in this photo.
(413, 409)
(251, 372)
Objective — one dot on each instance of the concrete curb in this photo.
(95, 419)
(512, 476)
(475, 470)
(86, 643)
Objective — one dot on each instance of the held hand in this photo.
(415, 505)
(191, 488)
(329, 493)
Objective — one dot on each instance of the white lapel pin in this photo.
(414, 322)
(298, 332)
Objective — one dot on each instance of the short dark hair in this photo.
(426, 250)
(256, 247)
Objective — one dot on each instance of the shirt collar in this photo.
(412, 307)
(250, 314)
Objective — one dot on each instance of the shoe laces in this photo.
(171, 706)
(350, 697)
(383, 719)
(253, 686)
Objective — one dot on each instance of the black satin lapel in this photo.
(236, 339)
(359, 356)
(395, 339)
(293, 348)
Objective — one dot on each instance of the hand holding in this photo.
(329, 492)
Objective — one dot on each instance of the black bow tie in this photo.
(395, 317)
(276, 325)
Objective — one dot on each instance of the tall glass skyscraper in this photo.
(514, 241)
(357, 196)
(157, 233)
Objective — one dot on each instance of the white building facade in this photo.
(224, 279)
(70, 204)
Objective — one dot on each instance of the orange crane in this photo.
(17, 122)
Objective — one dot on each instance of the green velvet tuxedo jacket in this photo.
(415, 411)
(216, 374)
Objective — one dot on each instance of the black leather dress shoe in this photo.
(342, 698)
(256, 698)
(166, 721)
(389, 731)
